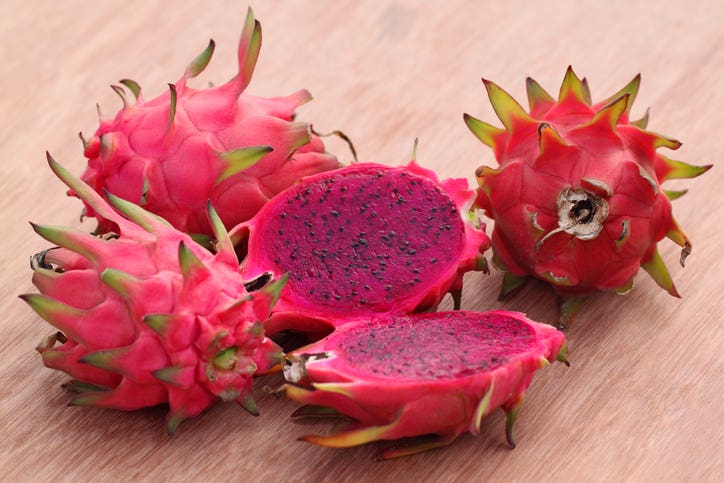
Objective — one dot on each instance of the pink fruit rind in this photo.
(187, 146)
(351, 247)
(411, 375)
(147, 316)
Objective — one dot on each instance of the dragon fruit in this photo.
(147, 316)
(577, 200)
(366, 238)
(173, 153)
(434, 375)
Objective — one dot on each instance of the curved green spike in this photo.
(511, 284)
(132, 86)
(52, 311)
(353, 437)
(420, 444)
(247, 402)
(586, 91)
(173, 421)
(79, 387)
(632, 88)
(89, 399)
(249, 47)
(173, 98)
(657, 269)
(123, 283)
(611, 112)
(681, 170)
(169, 375)
(84, 192)
(510, 416)
(643, 122)
(317, 412)
(562, 354)
(674, 194)
(300, 134)
(482, 409)
(119, 90)
(506, 108)
(75, 240)
(335, 387)
(106, 145)
(190, 264)
(198, 65)
(240, 159)
(548, 138)
(485, 132)
(538, 98)
(571, 87)
(223, 242)
(145, 219)
(569, 306)
(273, 290)
(104, 359)
(159, 323)
(414, 149)
(664, 142)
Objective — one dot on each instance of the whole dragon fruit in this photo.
(576, 199)
(366, 238)
(434, 375)
(147, 316)
(173, 153)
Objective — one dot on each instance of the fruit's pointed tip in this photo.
(569, 307)
(656, 268)
(173, 421)
(562, 354)
(511, 414)
(249, 404)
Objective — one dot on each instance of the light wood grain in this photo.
(642, 399)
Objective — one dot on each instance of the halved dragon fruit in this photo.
(363, 239)
(434, 375)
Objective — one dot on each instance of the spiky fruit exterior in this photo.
(173, 153)
(364, 239)
(147, 316)
(423, 374)
(576, 198)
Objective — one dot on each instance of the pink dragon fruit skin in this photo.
(432, 374)
(366, 238)
(175, 152)
(577, 198)
(147, 316)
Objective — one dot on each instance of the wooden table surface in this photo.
(642, 398)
